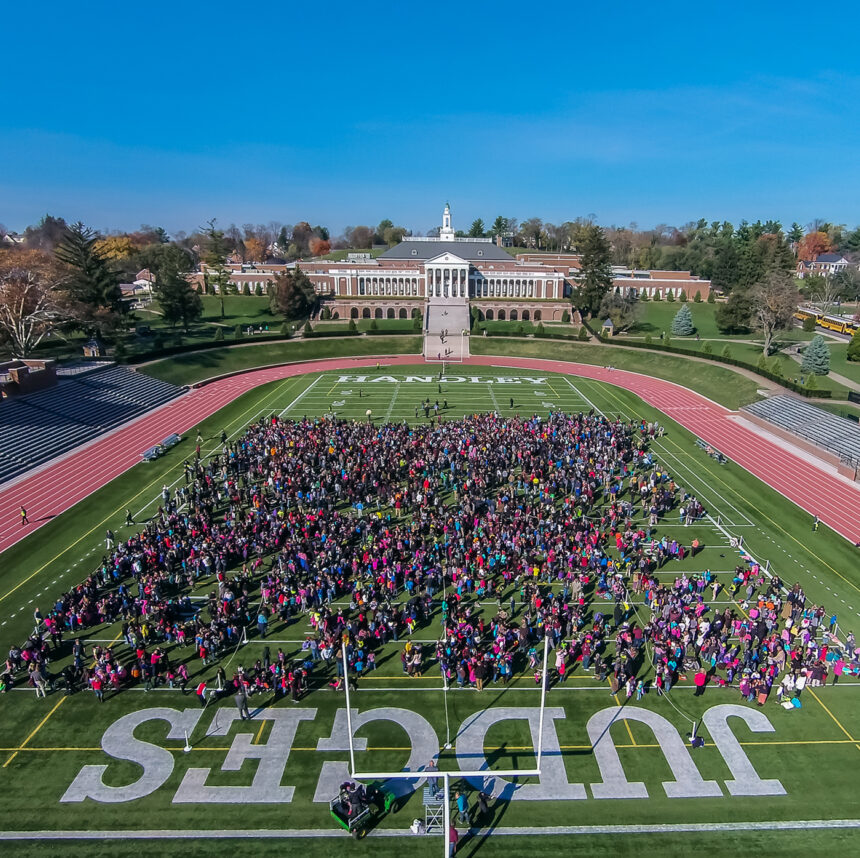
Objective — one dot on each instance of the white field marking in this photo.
(696, 476)
(301, 396)
(581, 395)
(307, 833)
(680, 464)
(204, 455)
(493, 397)
(391, 404)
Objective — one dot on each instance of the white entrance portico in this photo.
(447, 278)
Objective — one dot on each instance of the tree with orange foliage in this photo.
(812, 245)
(319, 246)
(33, 300)
(254, 249)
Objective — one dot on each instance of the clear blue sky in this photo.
(172, 113)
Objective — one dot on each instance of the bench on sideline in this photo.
(712, 451)
(160, 449)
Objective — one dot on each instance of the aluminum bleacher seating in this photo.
(833, 433)
(41, 426)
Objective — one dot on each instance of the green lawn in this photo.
(239, 310)
(839, 361)
(712, 380)
(657, 316)
(190, 368)
(812, 752)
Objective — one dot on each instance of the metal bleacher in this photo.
(40, 426)
(833, 433)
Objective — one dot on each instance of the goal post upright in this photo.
(450, 773)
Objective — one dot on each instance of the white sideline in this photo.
(585, 830)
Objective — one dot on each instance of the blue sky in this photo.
(173, 113)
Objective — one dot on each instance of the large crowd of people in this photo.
(507, 530)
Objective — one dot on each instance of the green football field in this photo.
(770, 781)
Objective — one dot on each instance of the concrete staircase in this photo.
(444, 328)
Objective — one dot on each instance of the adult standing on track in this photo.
(24, 519)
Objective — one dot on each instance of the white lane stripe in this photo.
(272, 833)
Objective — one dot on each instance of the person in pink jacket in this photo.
(838, 667)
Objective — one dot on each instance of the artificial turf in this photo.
(813, 752)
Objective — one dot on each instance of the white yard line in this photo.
(391, 404)
(301, 396)
(704, 828)
(682, 465)
(582, 396)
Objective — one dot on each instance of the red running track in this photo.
(57, 486)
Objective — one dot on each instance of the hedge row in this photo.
(800, 389)
(169, 351)
(315, 335)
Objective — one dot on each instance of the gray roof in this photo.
(473, 251)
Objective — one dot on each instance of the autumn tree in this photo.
(319, 246)
(774, 302)
(116, 247)
(292, 295)
(33, 301)
(359, 237)
(254, 249)
(595, 276)
(812, 245)
(92, 283)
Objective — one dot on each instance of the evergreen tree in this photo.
(93, 285)
(853, 353)
(595, 277)
(816, 357)
(178, 299)
(682, 324)
(217, 275)
(293, 295)
(735, 316)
